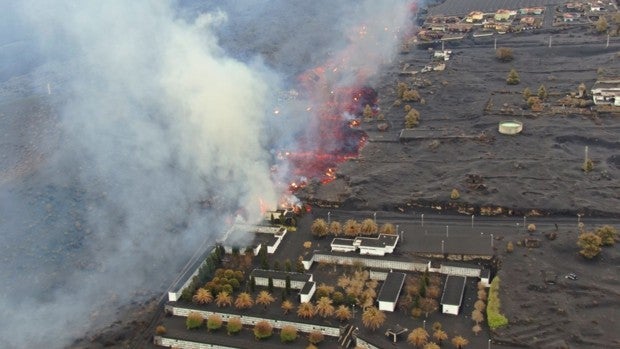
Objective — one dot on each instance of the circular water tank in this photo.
(510, 127)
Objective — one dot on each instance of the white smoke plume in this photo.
(161, 128)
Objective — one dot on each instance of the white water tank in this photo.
(511, 127)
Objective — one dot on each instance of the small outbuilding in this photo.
(306, 292)
(390, 291)
(452, 296)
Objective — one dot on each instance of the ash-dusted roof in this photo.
(343, 242)
(307, 287)
(460, 265)
(280, 275)
(453, 290)
(390, 290)
(381, 241)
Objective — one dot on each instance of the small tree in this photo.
(513, 77)
(287, 306)
(590, 244)
(299, 265)
(459, 342)
(454, 195)
(608, 235)
(234, 325)
(477, 316)
(527, 93)
(263, 329)
(440, 335)
(510, 247)
(531, 227)
(288, 266)
(351, 228)
(335, 228)
(587, 165)
(388, 228)
(214, 322)
(412, 119)
(418, 337)
(601, 24)
(476, 329)
(194, 320)
(244, 301)
(160, 330)
(306, 310)
(542, 92)
(264, 298)
(368, 227)
(373, 318)
(401, 88)
(288, 333)
(270, 284)
(343, 313)
(319, 228)
(315, 337)
(367, 112)
(480, 305)
(324, 307)
(504, 54)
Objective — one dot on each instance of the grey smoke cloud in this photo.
(162, 127)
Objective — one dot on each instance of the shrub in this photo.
(510, 247)
(587, 166)
(234, 325)
(194, 320)
(315, 337)
(531, 227)
(504, 54)
(214, 322)
(590, 244)
(542, 92)
(263, 329)
(454, 195)
(288, 333)
(160, 330)
(494, 317)
(513, 78)
(608, 235)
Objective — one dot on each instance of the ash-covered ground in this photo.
(457, 144)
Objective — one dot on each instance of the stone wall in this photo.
(368, 262)
(183, 344)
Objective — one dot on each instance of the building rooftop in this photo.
(453, 290)
(307, 287)
(343, 242)
(485, 273)
(391, 287)
(381, 241)
(280, 275)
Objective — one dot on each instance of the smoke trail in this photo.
(154, 135)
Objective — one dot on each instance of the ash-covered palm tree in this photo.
(264, 298)
(335, 228)
(324, 307)
(319, 228)
(343, 313)
(368, 227)
(202, 296)
(287, 306)
(418, 337)
(431, 345)
(388, 228)
(440, 335)
(223, 299)
(306, 310)
(244, 301)
(373, 318)
(459, 342)
(351, 228)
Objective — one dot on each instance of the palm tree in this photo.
(431, 345)
(440, 335)
(319, 227)
(343, 313)
(351, 228)
(368, 227)
(287, 306)
(202, 296)
(388, 228)
(306, 310)
(324, 307)
(373, 318)
(244, 301)
(418, 337)
(343, 281)
(265, 298)
(437, 326)
(223, 299)
(335, 228)
(459, 342)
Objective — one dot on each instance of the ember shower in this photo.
(164, 125)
